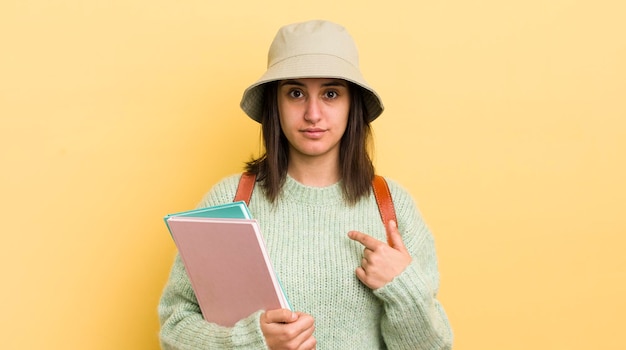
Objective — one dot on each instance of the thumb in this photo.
(394, 239)
(279, 316)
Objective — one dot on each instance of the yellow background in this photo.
(505, 119)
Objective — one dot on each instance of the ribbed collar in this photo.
(296, 191)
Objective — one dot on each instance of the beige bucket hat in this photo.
(313, 49)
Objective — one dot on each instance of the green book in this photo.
(233, 210)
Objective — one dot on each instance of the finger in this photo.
(304, 342)
(395, 239)
(306, 327)
(367, 253)
(360, 274)
(279, 316)
(311, 344)
(366, 240)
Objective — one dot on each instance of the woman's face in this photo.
(313, 115)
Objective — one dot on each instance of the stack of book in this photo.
(225, 258)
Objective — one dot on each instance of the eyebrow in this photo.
(334, 82)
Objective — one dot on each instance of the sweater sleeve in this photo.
(413, 317)
(182, 324)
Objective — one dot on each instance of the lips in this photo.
(313, 133)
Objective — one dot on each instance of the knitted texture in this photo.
(306, 238)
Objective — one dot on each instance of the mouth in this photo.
(313, 132)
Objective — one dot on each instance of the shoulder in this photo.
(222, 192)
(409, 216)
(400, 195)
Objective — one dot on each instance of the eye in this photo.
(331, 94)
(295, 93)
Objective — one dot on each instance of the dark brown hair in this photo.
(356, 168)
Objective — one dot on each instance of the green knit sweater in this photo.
(306, 237)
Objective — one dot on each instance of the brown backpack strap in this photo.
(385, 203)
(245, 187)
(379, 185)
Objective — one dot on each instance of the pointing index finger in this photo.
(366, 240)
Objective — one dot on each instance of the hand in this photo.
(284, 329)
(381, 263)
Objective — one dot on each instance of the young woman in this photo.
(321, 223)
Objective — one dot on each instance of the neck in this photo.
(314, 172)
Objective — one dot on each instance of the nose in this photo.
(313, 112)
